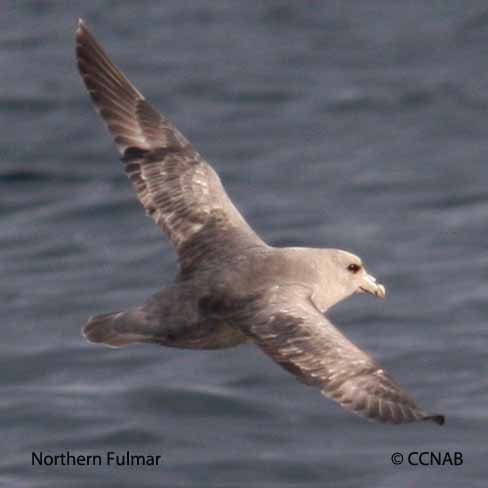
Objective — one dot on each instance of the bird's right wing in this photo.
(177, 188)
(285, 324)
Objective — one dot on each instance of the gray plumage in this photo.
(232, 287)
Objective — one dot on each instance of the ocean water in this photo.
(357, 125)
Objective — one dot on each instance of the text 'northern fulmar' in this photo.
(232, 287)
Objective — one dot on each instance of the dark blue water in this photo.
(358, 125)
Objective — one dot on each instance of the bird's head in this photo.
(341, 275)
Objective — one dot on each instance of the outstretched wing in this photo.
(286, 325)
(177, 188)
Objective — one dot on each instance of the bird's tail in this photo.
(117, 329)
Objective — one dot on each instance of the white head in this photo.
(340, 275)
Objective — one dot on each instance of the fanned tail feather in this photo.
(115, 329)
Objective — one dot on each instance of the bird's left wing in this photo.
(176, 186)
(285, 324)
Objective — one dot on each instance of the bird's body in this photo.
(191, 313)
(232, 287)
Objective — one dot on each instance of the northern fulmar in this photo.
(232, 287)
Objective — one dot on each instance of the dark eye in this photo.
(354, 268)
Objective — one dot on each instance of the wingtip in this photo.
(437, 418)
(81, 26)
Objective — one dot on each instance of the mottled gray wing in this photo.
(286, 325)
(177, 188)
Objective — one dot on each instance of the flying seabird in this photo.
(232, 287)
